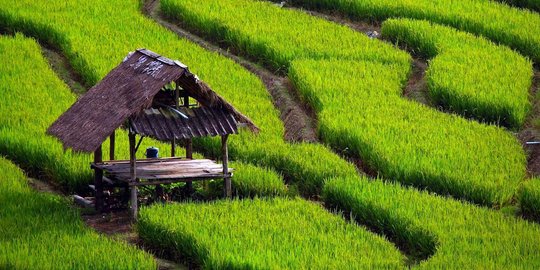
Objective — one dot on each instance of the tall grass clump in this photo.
(465, 236)
(41, 231)
(468, 74)
(529, 199)
(89, 34)
(514, 27)
(264, 234)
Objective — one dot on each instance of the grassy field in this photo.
(355, 86)
(265, 234)
(467, 74)
(76, 25)
(516, 28)
(360, 109)
(457, 235)
(529, 199)
(41, 231)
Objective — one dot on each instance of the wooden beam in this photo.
(112, 141)
(225, 157)
(98, 180)
(82, 201)
(133, 177)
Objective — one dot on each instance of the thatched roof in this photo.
(125, 92)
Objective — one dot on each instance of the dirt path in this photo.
(299, 120)
(62, 68)
(416, 88)
(338, 18)
(531, 130)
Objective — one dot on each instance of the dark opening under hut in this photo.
(149, 95)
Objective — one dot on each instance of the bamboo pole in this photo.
(225, 157)
(98, 180)
(133, 174)
(188, 143)
(112, 141)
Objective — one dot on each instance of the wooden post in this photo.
(189, 155)
(176, 101)
(112, 141)
(173, 147)
(225, 158)
(98, 180)
(189, 148)
(186, 101)
(133, 174)
(159, 193)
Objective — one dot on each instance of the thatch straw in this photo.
(125, 92)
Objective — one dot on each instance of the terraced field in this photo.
(449, 185)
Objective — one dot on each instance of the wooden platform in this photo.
(162, 170)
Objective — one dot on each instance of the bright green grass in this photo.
(40, 231)
(264, 234)
(360, 109)
(252, 181)
(529, 199)
(36, 97)
(465, 236)
(278, 36)
(95, 36)
(405, 140)
(517, 28)
(468, 74)
(307, 162)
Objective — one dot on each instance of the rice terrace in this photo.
(257, 134)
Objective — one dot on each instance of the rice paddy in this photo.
(442, 178)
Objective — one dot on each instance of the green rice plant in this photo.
(468, 74)
(529, 199)
(41, 231)
(277, 36)
(465, 236)
(253, 181)
(514, 27)
(264, 234)
(36, 97)
(93, 40)
(360, 109)
(405, 140)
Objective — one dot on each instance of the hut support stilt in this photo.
(189, 155)
(98, 180)
(133, 173)
(225, 158)
(112, 141)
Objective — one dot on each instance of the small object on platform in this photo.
(152, 152)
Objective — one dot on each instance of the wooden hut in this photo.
(149, 95)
